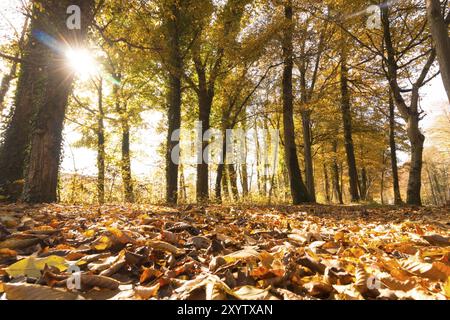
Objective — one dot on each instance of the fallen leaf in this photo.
(32, 266)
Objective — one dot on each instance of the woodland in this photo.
(224, 150)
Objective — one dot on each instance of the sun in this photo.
(82, 62)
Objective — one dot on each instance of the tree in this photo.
(54, 81)
(347, 124)
(410, 113)
(298, 189)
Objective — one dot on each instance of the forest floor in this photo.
(223, 252)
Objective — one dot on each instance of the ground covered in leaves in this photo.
(147, 252)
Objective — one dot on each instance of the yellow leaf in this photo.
(32, 266)
(103, 243)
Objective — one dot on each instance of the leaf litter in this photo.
(218, 252)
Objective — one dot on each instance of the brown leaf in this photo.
(26, 291)
(437, 240)
(99, 281)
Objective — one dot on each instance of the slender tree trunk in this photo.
(432, 187)
(100, 147)
(336, 176)
(182, 184)
(127, 179)
(307, 145)
(174, 108)
(439, 31)
(347, 124)
(244, 171)
(393, 149)
(41, 176)
(299, 192)
(221, 169)
(326, 183)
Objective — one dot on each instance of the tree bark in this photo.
(41, 176)
(205, 104)
(326, 183)
(336, 184)
(299, 192)
(307, 142)
(393, 149)
(439, 31)
(127, 179)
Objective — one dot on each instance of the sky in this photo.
(146, 143)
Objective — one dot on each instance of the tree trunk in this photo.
(100, 147)
(439, 31)
(233, 181)
(417, 140)
(336, 184)
(363, 184)
(244, 171)
(326, 183)
(393, 149)
(307, 141)
(127, 179)
(347, 124)
(31, 90)
(205, 104)
(174, 97)
(299, 192)
(221, 169)
(41, 176)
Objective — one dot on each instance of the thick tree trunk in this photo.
(233, 181)
(31, 89)
(393, 149)
(417, 140)
(307, 142)
(439, 31)
(299, 192)
(174, 108)
(45, 148)
(363, 184)
(205, 104)
(347, 124)
(100, 147)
